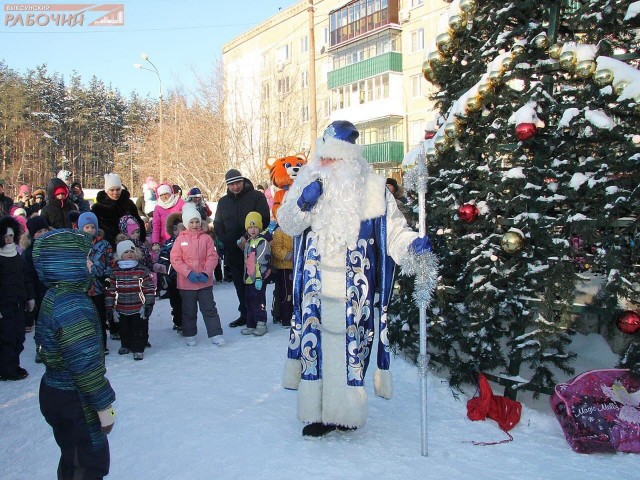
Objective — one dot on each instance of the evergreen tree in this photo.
(531, 170)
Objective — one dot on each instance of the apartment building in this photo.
(367, 58)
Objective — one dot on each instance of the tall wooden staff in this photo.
(425, 269)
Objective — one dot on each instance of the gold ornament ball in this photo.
(474, 104)
(507, 62)
(468, 7)
(619, 87)
(555, 50)
(457, 23)
(427, 72)
(540, 41)
(444, 43)
(568, 60)
(585, 69)
(484, 88)
(435, 58)
(603, 77)
(431, 154)
(518, 49)
(442, 143)
(512, 242)
(451, 130)
(494, 77)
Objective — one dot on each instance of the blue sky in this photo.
(179, 36)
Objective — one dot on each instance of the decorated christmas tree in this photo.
(533, 185)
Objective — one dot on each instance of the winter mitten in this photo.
(147, 311)
(115, 316)
(203, 277)
(272, 226)
(31, 304)
(155, 247)
(159, 268)
(382, 383)
(310, 195)
(421, 245)
(107, 419)
(258, 284)
(142, 312)
(193, 277)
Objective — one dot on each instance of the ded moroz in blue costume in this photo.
(348, 237)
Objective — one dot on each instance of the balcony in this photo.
(391, 61)
(384, 152)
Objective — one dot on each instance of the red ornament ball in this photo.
(468, 212)
(525, 131)
(628, 322)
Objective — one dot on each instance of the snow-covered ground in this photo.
(212, 412)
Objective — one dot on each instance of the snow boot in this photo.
(261, 329)
(317, 429)
(138, 356)
(218, 340)
(123, 351)
(191, 341)
(247, 331)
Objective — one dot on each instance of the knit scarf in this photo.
(173, 199)
(9, 250)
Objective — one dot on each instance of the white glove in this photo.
(107, 419)
(142, 312)
(116, 316)
(31, 304)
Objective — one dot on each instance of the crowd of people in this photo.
(85, 271)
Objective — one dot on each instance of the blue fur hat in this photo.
(341, 130)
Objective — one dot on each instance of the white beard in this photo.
(338, 211)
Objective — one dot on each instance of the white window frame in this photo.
(417, 40)
(416, 86)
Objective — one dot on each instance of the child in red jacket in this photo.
(194, 258)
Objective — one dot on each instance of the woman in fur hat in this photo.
(16, 295)
(113, 203)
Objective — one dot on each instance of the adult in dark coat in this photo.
(111, 204)
(56, 211)
(77, 197)
(5, 202)
(228, 224)
(16, 296)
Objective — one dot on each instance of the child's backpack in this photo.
(599, 411)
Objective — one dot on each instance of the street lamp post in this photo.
(154, 69)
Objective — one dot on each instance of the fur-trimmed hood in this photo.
(171, 219)
(6, 222)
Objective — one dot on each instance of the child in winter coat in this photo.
(194, 258)
(130, 230)
(75, 396)
(16, 296)
(58, 206)
(282, 256)
(129, 299)
(257, 256)
(101, 258)
(174, 227)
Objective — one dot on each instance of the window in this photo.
(416, 3)
(304, 79)
(304, 114)
(417, 40)
(282, 120)
(284, 86)
(304, 44)
(416, 131)
(284, 55)
(265, 91)
(416, 85)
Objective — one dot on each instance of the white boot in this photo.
(191, 341)
(218, 340)
(261, 329)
